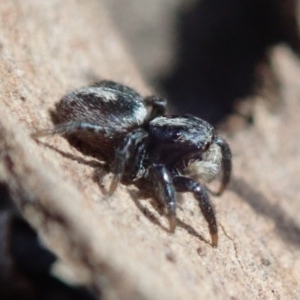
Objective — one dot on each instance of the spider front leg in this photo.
(185, 184)
(128, 151)
(164, 191)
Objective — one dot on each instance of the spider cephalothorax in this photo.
(170, 153)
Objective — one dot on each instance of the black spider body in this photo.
(114, 108)
(177, 138)
(170, 153)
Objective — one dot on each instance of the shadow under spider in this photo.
(102, 168)
(142, 193)
(91, 163)
(286, 227)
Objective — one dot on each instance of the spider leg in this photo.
(226, 164)
(136, 169)
(71, 127)
(185, 184)
(164, 191)
(124, 154)
(158, 106)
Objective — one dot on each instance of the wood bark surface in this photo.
(121, 246)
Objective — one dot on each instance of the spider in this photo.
(139, 142)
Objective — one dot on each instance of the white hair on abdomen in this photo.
(207, 169)
(140, 114)
(106, 95)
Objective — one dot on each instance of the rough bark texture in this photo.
(121, 246)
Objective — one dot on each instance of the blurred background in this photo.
(204, 55)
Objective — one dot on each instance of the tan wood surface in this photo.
(121, 246)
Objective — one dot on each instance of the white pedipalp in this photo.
(208, 168)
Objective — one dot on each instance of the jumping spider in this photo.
(170, 153)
